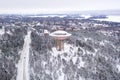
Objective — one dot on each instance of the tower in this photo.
(59, 37)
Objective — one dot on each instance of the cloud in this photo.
(57, 5)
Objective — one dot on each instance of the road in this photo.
(23, 65)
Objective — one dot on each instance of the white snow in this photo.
(61, 75)
(102, 43)
(91, 53)
(23, 65)
(45, 16)
(9, 32)
(38, 16)
(118, 67)
(87, 38)
(107, 33)
(82, 63)
(46, 31)
(71, 52)
(86, 16)
(74, 59)
(67, 49)
(111, 18)
(2, 31)
(55, 52)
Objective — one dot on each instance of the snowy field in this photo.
(111, 18)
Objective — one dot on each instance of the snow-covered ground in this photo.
(2, 31)
(111, 18)
(71, 51)
(67, 48)
(118, 67)
(9, 32)
(86, 16)
(45, 16)
(23, 65)
(55, 52)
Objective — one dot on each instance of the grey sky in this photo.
(57, 5)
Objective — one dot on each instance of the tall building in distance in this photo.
(59, 37)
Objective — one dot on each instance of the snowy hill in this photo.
(87, 56)
(91, 53)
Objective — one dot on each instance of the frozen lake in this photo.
(111, 18)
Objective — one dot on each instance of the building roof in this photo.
(46, 32)
(60, 34)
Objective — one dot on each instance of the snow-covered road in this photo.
(23, 65)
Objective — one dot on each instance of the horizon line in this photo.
(45, 11)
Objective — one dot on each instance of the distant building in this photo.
(54, 28)
(76, 29)
(46, 32)
(69, 29)
(60, 28)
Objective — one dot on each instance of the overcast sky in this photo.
(28, 6)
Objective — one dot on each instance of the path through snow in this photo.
(23, 65)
